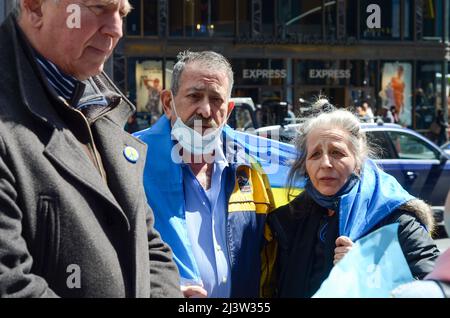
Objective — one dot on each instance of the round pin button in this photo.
(131, 154)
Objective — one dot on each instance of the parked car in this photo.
(418, 164)
(446, 147)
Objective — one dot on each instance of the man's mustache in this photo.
(198, 121)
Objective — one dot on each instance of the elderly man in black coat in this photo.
(74, 220)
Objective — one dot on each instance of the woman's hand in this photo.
(194, 291)
(343, 246)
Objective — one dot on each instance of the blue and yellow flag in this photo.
(274, 156)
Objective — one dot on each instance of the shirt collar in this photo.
(220, 155)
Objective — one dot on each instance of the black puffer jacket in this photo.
(304, 261)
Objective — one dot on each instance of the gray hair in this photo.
(208, 59)
(16, 7)
(330, 118)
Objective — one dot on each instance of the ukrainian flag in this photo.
(275, 157)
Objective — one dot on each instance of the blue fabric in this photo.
(163, 179)
(372, 268)
(274, 157)
(206, 224)
(372, 199)
(330, 202)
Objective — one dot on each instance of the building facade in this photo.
(387, 52)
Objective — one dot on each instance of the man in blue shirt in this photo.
(210, 199)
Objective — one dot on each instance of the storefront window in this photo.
(396, 90)
(150, 17)
(201, 18)
(363, 83)
(322, 73)
(433, 22)
(303, 19)
(133, 22)
(389, 19)
(427, 93)
(363, 73)
(145, 83)
(259, 72)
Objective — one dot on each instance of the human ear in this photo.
(32, 10)
(166, 100)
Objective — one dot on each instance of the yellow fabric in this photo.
(281, 196)
(258, 198)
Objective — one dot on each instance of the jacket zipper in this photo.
(91, 146)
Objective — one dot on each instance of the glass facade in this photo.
(244, 18)
(133, 23)
(296, 21)
(150, 22)
(351, 19)
(201, 18)
(262, 79)
(382, 22)
(433, 20)
(292, 50)
(408, 20)
(428, 93)
(302, 19)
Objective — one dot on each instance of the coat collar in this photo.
(34, 89)
(62, 147)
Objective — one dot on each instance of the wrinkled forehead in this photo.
(205, 76)
(326, 135)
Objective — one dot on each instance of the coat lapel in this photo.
(125, 177)
(63, 149)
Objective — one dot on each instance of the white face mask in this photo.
(193, 141)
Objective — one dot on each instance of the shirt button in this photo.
(218, 248)
(203, 203)
(224, 280)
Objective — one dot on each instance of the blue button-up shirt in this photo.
(206, 225)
